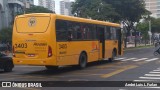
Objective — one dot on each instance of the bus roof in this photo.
(71, 18)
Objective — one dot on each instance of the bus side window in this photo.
(61, 30)
(74, 30)
(107, 33)
(93, 32)
(113, 33)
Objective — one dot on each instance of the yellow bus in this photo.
(53, 40)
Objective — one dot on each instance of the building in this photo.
(8, 10)
(154, 7)
(50, 4)
(29, 1)
(65, 7)
(16, 7)
(5, 17)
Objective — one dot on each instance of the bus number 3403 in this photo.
(22, 45)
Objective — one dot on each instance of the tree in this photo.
(131, 11)
(143, 28)
(126, 11)
(95, 9)
(155, 23)
(38, 9)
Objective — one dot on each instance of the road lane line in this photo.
(152, 75)
(29, 88)
(154, 59)
(149, 77)
(118, 71)
(143, 80)
(158, 68)
(150, 87)
(109, 65)
(120, 58)
(129, 59)
(140, 59)
(154, 72)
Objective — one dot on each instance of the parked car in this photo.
(6, 63)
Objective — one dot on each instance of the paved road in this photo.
(135, 65)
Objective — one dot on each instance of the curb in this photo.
(134, 48)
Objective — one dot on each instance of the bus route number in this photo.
(22, 45)
(62, 46)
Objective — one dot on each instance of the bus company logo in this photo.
(6, 84)
(32, 22)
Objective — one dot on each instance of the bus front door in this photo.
(101, 42)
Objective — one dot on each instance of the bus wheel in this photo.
(113, 56)
(51, 67)
(82, 61)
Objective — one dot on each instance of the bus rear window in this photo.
(32, 24)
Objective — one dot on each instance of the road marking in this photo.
(154, 72)
(152, 59)
(140, 59)
(109, 65)
(143, 80)
(118, 71)
(158, 68)
(120, 58)
(150, 87)
(149, 77)
(29, 88)
(129, 59)
(136, 59)
(78, 80)
(152, 75)
(122, 89)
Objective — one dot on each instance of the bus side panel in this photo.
(109, 47)
(94, 54)
(68, 52)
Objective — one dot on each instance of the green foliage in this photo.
(6, 35)
(38, 9)
(130, 10)
(143, 28)
(95, 9)
(155, 24)
(110, 10)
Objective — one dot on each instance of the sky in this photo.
(57, 5)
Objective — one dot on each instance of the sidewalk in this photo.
(133, 45)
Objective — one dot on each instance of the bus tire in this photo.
(113, 56)
(8, 66)
(51, 67)
(82, 60)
